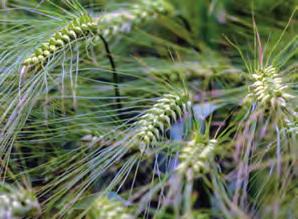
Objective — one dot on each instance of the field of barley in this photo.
(154, 109)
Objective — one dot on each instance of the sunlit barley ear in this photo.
(268, 88)
(151, 127)
(197, 155)
(104, 208)
(17, 203)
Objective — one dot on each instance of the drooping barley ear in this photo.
(16, 203)
(175, 72)
(268, 88)
(85, 26)
(104, 208)
(185, 71)
(197, 155)
(152, 125)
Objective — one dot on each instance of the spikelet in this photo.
(100, 141)
(91, 139)
(292, 126)
(103, 208)
(196, 155)
(268, 88)
(153, 124)
(16, 204)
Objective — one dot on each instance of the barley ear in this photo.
(104, 208)
(78, 28)
(268, 88)
(151, 127)
(196, 155)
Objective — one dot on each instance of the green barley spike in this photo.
(153, 124)
(196, 155)
(80, 27)
(104, 208)
(268, 88)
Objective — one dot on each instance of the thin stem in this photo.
(115, 74)
(188, 193)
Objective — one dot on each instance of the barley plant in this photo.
(148, 109)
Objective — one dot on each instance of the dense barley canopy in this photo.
(148, 109)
